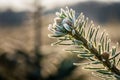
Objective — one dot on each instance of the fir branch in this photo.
(79, 30)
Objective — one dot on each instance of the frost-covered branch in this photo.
(92, 44)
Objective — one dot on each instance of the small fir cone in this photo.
(105, 55)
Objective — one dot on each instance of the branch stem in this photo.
(94, 51)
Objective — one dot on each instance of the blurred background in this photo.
(25, 50)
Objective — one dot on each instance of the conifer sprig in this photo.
(85, 35)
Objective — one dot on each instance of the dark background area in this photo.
(97, 11)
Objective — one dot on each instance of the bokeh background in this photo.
(25, 50)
